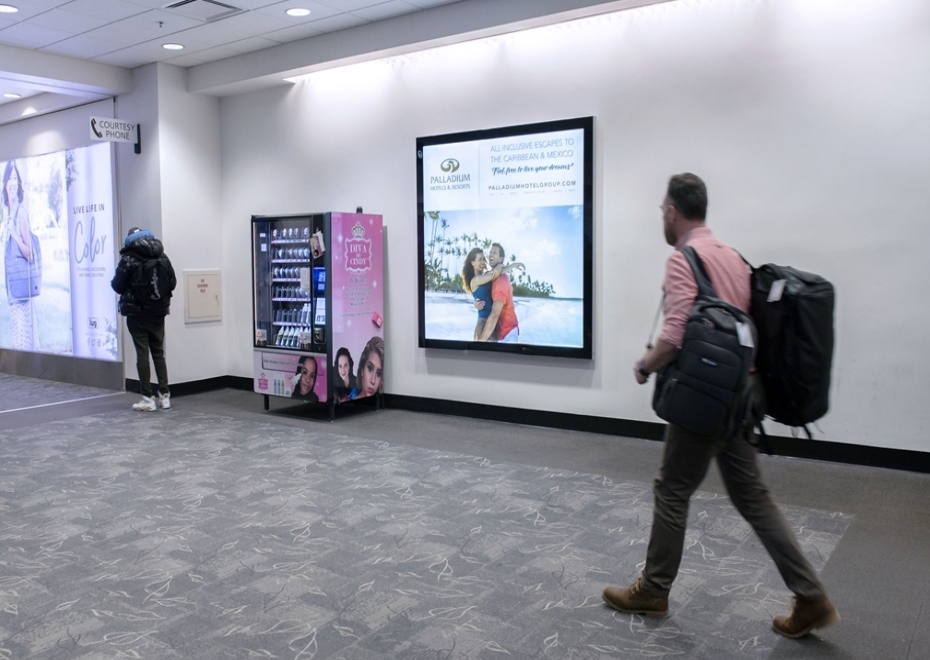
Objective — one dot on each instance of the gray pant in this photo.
(684, 464)
(148, 335)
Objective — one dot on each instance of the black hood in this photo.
(146, 247)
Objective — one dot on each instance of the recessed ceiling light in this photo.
(297, 11)
(172, 46)
(11, 95)
(8, 9)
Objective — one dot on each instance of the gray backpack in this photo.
(707, 389)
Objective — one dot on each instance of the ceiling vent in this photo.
(203, 10)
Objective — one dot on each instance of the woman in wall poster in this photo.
(22, 259)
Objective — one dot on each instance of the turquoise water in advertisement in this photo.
(543, 321)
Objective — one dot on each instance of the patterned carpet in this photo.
(22, 392)
(186, 535)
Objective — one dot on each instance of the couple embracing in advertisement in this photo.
(493, 293)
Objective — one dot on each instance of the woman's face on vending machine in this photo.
(307, 375)
(371, 375)
(342, 365)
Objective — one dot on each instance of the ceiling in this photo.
(58, 54)
(130, 33)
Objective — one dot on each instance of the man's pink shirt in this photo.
(727, 271)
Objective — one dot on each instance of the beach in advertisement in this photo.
(547, 290)
(358, 305)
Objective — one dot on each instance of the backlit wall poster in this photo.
(91, 225)
(56, 228)
(358, 305)
(505, 239)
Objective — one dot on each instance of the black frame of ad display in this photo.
(587, 125)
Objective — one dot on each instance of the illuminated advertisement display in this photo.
(301, 377)
(358, 304)
(57, 232)
(505, 227)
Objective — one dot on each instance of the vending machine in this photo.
(318, 307)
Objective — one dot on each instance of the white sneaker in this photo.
(164, 401)
(146, 405)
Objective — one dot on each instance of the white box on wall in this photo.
(203, 297)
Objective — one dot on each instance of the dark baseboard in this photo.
(555, 420)
(199, 386)
(818, 450)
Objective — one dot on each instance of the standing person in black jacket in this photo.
(144, 280)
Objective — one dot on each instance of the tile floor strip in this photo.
(58, 403)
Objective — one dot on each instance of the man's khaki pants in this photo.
(684, 464)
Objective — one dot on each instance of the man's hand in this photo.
(637, 372)
(479, 304)
(655, 359)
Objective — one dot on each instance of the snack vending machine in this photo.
(318, 307)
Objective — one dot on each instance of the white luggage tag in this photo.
(778, 288)
(745, 334)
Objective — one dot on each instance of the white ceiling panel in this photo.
(30, 8)
(293, 33)
(34, 35)
(152, 4)
(250, 4)
(424, 4)
(251, 44)
(254, 23)
(137, 55)
(350, 5)
(121, 38)
(129, 33)
(17, 43)
(159, 22)
(335, 23)
(208, 35)
(317, 11)
(82, 47)
(68, 21)
(385, 10)
(191, 59)
(112, 10)
(214, 54)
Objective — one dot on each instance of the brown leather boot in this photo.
(806, 616)
(636, 600)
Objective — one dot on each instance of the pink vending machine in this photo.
(318, 307)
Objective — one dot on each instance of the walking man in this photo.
(687, 455)
(144, 280)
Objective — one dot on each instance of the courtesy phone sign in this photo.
(113, 130)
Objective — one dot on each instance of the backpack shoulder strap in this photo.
(705, 287)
